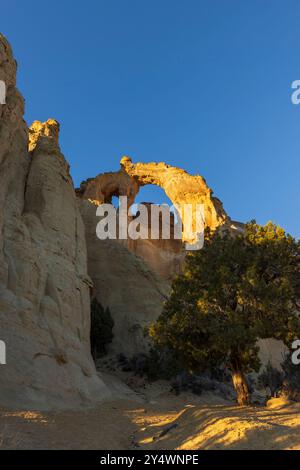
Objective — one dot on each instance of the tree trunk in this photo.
(239, 383)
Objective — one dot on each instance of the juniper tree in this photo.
(234, 291)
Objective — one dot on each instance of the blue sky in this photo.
(200, 84)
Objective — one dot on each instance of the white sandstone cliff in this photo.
(44, 286)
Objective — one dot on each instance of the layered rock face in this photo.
(44, 286)
(164, 256)
(126, 284)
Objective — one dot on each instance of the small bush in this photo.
(291, 383)
(161, 364)
(205, 382)
(272, 378)
(101, 329)
(157, 364)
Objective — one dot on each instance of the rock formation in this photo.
(128, 295)
(181, 188)
(51, 260)
(44, 285)
(124, 283)
(133, 277)
(164, 257)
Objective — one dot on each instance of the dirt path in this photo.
(160, 421)
(106, 427)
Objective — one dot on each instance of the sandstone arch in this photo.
(179, 186)
(103, 187)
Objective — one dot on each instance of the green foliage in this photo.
(154, 365)
(161, 364)
(291, 383)
(272, 378)
(232, 292)
(101, 329)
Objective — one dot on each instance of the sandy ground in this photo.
(223, 427)
(154, 419)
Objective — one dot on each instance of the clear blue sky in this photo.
(200, 84)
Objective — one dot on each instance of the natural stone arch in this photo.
(180, 187)
(103, 187)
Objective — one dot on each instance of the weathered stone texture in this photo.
(44, 286)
